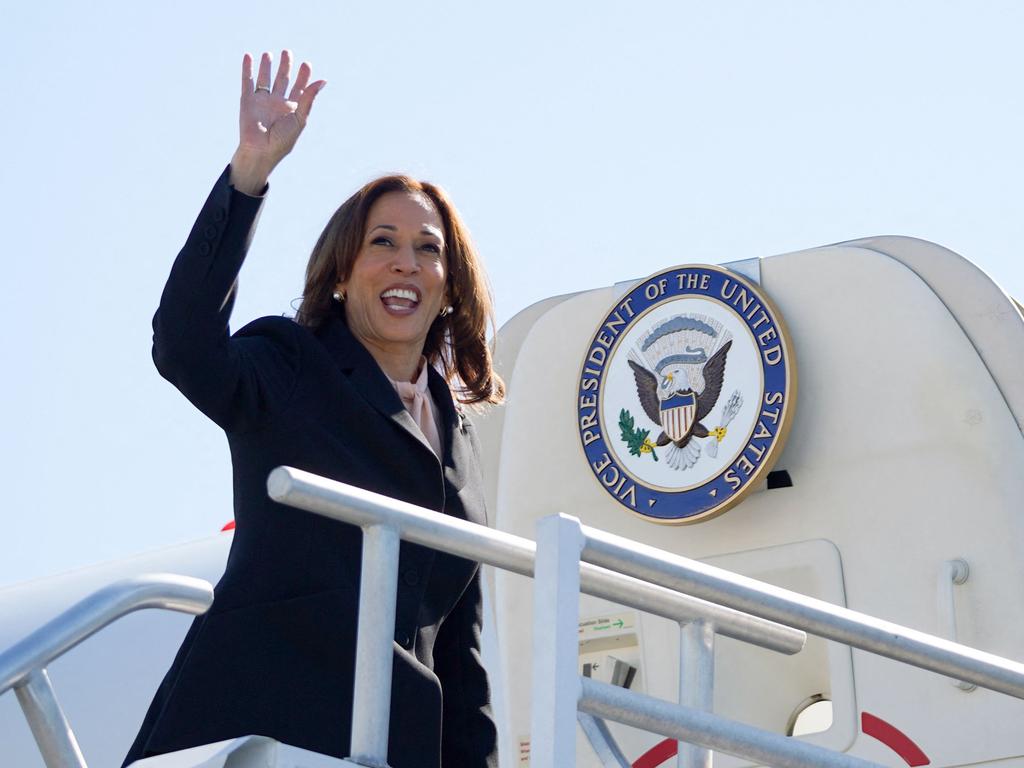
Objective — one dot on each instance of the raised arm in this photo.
(235, 381)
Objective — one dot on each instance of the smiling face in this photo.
(397, 285)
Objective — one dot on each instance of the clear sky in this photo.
(584, 142)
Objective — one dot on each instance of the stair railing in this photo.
(23, 665)
(569, 558)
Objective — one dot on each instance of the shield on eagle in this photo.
(677, 414)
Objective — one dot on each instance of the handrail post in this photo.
(556, 677)
(696, 683)
(378, 593)
(53, 734)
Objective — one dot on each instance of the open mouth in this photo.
(400, 300)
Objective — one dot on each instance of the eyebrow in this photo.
(427, 230)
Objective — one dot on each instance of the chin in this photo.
(411, 340)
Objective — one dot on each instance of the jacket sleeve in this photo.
(236, 381)
(469, 738)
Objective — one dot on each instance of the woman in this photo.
(393, 293)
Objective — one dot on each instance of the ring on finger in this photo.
(262, 88)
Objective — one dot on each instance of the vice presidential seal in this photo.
(686, 394)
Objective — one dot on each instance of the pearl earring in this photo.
(339, 296)
(445, 311)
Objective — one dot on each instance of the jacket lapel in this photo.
(367, 377)
(454, 440)
(370, 382)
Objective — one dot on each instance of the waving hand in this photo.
(270, 118)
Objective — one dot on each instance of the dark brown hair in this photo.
(457, 343)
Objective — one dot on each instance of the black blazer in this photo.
(275, 654)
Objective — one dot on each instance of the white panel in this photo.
(904, 453)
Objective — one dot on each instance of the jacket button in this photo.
(210, 231)
(411, 576)
(404, 639)
(204, 249)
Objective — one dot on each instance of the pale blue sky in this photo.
(585, 143)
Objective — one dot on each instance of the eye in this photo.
(381, 240)
(432, 247)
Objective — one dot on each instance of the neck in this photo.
(398, 365)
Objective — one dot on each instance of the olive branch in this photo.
(636, 439)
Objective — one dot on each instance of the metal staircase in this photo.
(566, 559)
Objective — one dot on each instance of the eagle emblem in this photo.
(685, 393)
(679, 369)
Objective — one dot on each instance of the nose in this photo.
(405, 261)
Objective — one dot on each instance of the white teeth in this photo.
(400, 293)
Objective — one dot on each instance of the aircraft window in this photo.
(814, 715)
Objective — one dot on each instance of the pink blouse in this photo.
(417, 400)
